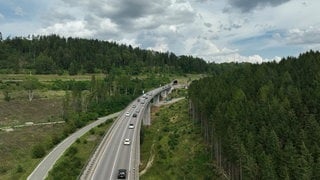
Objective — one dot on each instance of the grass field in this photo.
(16, 146)
(86, 77)
(17, 112)
(50, 77)
(16, 149)
(176, 145)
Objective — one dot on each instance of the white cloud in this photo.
(107, 25)
(1, 16)
(310, 35)
(131, 42)
(160, 45)
(18, 11)
(256, 59)
(146, 22)
(72, 28)
(173, 28)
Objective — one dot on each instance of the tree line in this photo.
(57, 55)
(85, 101)
(261, 121)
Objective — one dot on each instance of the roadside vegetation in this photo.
(70, 165)
(175, 146)
(21, 149)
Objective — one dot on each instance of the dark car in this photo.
(122, 173)
(134, 115)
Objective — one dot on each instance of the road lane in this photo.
(41, 171)
(113, 154)
(103, 166)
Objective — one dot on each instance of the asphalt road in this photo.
(41, 171)
(116, 155)
(112, 154)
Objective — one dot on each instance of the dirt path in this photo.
(151, 158)
(150, 161)
(27, 124)
(169, 102)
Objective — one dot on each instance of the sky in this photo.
(216, 30)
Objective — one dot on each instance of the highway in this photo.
(41, 171)
(112, 154)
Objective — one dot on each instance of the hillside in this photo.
(262, 121)
(57, 55)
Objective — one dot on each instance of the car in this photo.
(134, 115)
(122, 173)
(126, 142)
(131, 126)
(127, 114)
(137, 110)
(134, 106)
(142, 102)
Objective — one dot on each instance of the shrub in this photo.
(92, 131)
(72, 151)
(38, 151)
(19, 168)
(3, 169)
(56, 139)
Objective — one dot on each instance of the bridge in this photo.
(113, 153)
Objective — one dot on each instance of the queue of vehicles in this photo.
(122, 173)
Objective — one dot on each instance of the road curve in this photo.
(41, 171)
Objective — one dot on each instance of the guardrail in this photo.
(89, 169)
(86, 171)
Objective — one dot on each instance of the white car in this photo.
(127, 114)
(126, 142)
(131, 126)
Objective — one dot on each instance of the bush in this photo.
(56, 139)
(72, 151)
(19, 168)
(38, 151)
(92, 131)
(101, 133)
(166, 129)
(3, 169)
(6, 96)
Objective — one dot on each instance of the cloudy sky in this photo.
(216, 30)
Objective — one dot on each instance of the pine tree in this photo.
(267, 169)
